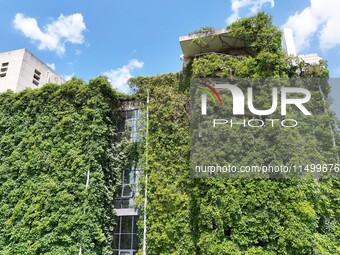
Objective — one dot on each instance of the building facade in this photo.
(20, 69)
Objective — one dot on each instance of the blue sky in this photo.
(124, 38)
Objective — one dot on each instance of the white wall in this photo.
(21, 69)
(288, 42)
(14, 58)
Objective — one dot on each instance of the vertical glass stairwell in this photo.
(125, 235)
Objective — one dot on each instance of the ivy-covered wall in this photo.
(168, 211)
(49, 139)
(234, 216)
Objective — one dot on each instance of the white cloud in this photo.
(304, 26)
(68, 77)
(52, 66)
(119, 77)
(320, 19)
(55, 34)
(253, 6)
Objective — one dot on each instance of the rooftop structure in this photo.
(215, 41)
(20, 69)
(311, 59)
(219, 41)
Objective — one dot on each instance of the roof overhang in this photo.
(217, 41)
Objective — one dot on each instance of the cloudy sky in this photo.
(121, 39)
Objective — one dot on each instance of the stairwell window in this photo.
(125, 239)
(36, 77)
(3, 69)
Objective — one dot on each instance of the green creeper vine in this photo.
(50, 138)
(236, 216)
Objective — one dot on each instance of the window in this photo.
(127, 191)
(37, 72)
(3, 70)
(126, 194)
(36, 77)
(129, 122)
(125, 240)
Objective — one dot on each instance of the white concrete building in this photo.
(288, 42)
(290, 50)
(20, 69)
(311, 59)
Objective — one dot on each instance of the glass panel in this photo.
(137, 174)
(120, 127)
(129, 114)
(115, 252)
(131, 203)
(125, 203)
(127, 176)
(135, 220)
(127, 191)
(135, 242)
(126, 224)
(132, 177)
(125, 241)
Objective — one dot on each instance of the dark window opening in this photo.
(36, 77)
(37, 72)
(35, 82)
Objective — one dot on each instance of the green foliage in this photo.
(266, 59)
(259, 32)
(49, 139)
(237, 216)
(203, 30)
(168, 211)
